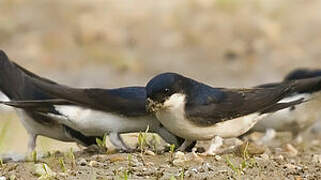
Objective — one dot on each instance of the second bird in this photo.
(196, 111)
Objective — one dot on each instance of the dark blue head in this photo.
(302, 74)
(164, 85)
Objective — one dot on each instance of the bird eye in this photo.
(166, 90)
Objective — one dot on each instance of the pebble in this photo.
(43, 170)
(291, 166)
(100, 157)
(149, 152)
(63, 175)
(233, 142)
(179, 155)
(116, 157)
(251, 148)
(193, 157)
(290, 150)
(316, 158)
(179, 158)
(265, 156)
(93, 164)
(218, 157)
(255, 136)
(82, 162)
(279, 157)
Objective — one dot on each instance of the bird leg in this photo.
(32, 142)
(167, 136)
(185, 145)
(216, 142)
(118, 142)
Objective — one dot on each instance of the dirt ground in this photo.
(94, 43)
(278, 160)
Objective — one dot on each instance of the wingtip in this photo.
(3, 56)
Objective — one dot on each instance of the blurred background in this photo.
(95, 43)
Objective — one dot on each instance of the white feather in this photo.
(3, 97)
(93, 122)
(35, 128)
(172, 116)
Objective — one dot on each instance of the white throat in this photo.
(175, 101)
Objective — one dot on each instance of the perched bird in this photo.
(195, 111)
(17, 84)
(67, 114)
(298, 118)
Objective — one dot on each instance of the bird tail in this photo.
(308, 85)
(302, 74)
(17, 83)
(295, 94)
(10, 77)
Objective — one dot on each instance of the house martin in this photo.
(298, 118)
(17, 83)
(195, 111)
(57, 110)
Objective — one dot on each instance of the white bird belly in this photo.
(35, 128)
(95, 123)
(173, 118)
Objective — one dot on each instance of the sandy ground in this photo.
(94, 43)
(277, 160)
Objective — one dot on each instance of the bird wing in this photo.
(233, 103)
(129, 101)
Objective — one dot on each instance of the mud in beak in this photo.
(152, 106)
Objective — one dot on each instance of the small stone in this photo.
(43, 170)
(279, 157)
(149, 164)
(100, 157)
(82, 162)
(255, 136)
(233, 142)
(63, 174)
(93, 164)
(116, 157)
(179, 155)
(251, 148)
(149, 152)
(290, 150)
(265, 156)
(179, 158)
(291, 166)
(316, 158)
(298, 178)
(178, 162)
(218, 157)
(194, 157)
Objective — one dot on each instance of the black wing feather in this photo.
(234, 103)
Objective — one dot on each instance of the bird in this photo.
(196, 111)
(295, 119)
(16, 84)
(61, 112)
